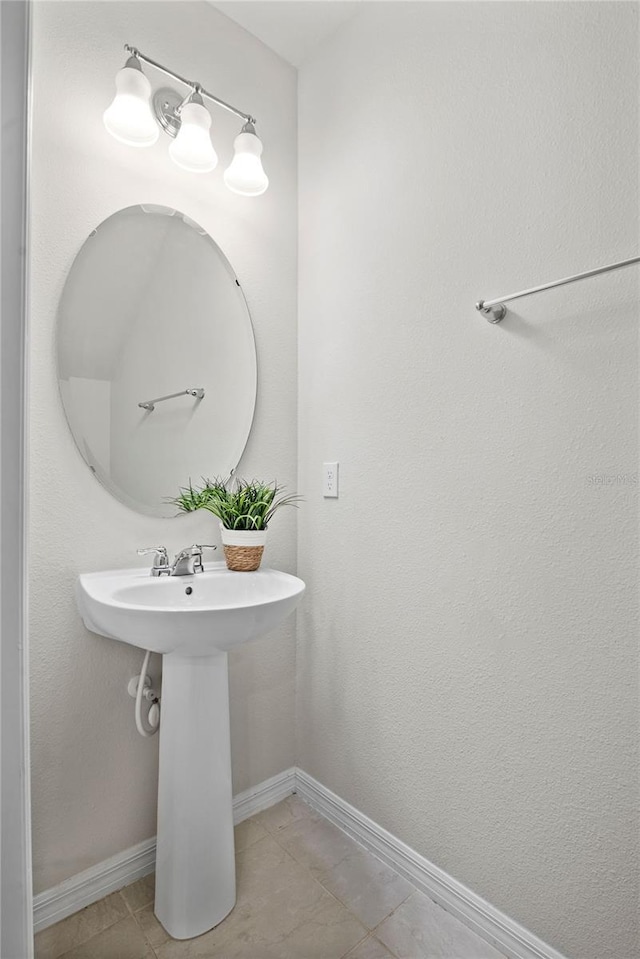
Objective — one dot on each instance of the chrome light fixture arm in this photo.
(195, 86)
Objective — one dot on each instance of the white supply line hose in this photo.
(153, 720)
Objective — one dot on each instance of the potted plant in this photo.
(244, 509)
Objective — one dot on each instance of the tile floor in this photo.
(305, 891)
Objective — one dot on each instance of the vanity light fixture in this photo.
(245, 174)
(129, 118)
(192, 149)
(135, 118)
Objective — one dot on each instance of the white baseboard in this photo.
(92, 884)
(138, 861)
(485, 920)
(489, 923)
(264, 795)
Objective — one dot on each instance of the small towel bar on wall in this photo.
(495, 310)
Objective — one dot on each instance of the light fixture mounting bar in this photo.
(189, 83)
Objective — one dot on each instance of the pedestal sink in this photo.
(193, 621)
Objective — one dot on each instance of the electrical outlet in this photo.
(329, 479)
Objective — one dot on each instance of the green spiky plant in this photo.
(241, 505)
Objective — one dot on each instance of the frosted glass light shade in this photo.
(129, 118)
(245, 174)
(192, 149)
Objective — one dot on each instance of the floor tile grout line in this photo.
(345, 955)
(392, 913)
(370, 935)
(144, 935)
(290, 855)
(316, 880)
(124, 899)
(414, 889)
(373, 852)
(273, 835)
(370, 932)
(134, 915)
(357, 841)
(86, 942)
(285, 851)
(384, 945)
(83, 942)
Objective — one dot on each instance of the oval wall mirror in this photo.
(156, 357)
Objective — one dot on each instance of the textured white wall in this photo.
(94, 778)
(467, 663)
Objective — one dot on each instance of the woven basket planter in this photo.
(243, 549)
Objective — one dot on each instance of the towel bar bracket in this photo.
(494, 314)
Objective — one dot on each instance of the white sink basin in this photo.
(191, 615)
(193, 621)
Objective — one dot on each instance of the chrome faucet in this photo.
(187, 562)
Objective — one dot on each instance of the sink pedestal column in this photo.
(195, 864)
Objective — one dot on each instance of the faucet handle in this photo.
(160, 550)
(192, 556)
(195, 550)
(160, 558)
